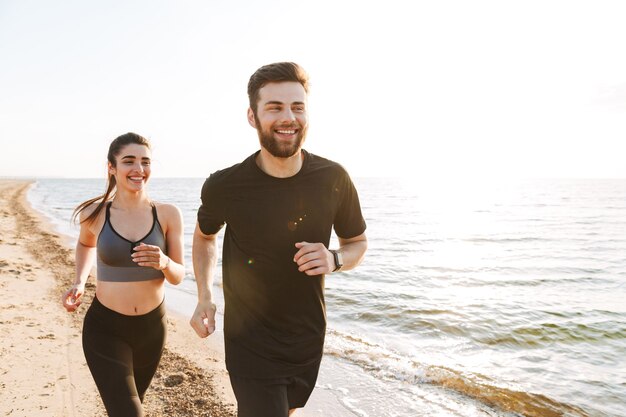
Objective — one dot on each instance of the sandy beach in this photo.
(43, 370)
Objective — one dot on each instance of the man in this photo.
(280, 206)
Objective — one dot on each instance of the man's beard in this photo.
(282, 150)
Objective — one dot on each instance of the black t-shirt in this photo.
(275, 319)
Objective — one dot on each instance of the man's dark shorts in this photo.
(273, 397)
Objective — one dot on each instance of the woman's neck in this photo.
(128, 200)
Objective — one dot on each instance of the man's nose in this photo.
(289, 115)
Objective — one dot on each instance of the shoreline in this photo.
(46, 373)
(374, 362)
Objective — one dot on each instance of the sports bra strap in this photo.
(108, 211)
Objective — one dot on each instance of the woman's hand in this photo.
(150, 256)
(72, 298)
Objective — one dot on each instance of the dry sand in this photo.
(42, 366)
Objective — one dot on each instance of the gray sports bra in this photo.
(114, 260)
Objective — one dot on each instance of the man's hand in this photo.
(314, 259)
(203, 319)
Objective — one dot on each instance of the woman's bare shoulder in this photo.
(88, 210)
(95, 224)
(168, 211)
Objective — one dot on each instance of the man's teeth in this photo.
(286, 132)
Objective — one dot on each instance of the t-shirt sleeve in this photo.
(210, 213)
(349, 221)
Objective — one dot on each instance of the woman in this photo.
(137, 244)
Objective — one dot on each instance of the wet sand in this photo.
(42, 366)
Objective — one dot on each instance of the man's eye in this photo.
(146, 163)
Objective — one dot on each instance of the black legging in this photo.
(123, 353)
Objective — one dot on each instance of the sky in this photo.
(414, 89)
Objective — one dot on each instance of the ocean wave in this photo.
(414, 325)
(533, 281)
(550, 333)
(500, 240)
(482, 389)
(385, 364)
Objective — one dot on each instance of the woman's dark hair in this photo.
(273, 73)
(114, 150)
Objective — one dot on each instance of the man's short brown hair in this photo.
(274, 73)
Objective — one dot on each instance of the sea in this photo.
(476, 298)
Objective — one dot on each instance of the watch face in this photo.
(339, 258)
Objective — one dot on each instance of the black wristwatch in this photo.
(338, 259)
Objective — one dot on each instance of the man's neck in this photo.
(279, 167)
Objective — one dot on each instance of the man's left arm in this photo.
(317, 259)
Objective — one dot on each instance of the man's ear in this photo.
(251, 118)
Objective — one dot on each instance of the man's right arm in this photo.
(204, 255)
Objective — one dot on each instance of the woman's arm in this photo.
(84, 258)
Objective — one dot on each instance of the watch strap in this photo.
(338, 263)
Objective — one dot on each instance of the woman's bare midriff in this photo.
(131, 298)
